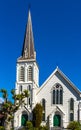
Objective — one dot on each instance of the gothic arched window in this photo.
(54, 96)
(30, 73)
(71, 109)
(21, 74)
(61, 95)
(21, 88)
(71, 104)
(29, 99)
(57, 94)
(44, 106)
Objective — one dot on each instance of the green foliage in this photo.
(2, 128)
(23, 128)
(12, 129)
(74, 125)
(29, 125)
(43, 128)
(5, 94)
(37, 115)
(9, 108)
(34, 128)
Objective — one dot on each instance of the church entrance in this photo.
(24, 119)
(57, 120)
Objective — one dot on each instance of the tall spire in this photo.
(28, 51)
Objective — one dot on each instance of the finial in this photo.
(57, 67)
(29, 6)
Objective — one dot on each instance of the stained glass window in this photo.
(57, 94)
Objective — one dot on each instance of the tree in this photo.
(29, 125)
(74, 125)
(37, 115)
(9, 108)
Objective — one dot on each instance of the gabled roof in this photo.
(58, 109)
(64, 77)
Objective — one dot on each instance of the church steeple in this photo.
(28, 51)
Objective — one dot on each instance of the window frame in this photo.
(44, 109)
(57, 94)
(71, 109)
(21, 74)
(30, 73)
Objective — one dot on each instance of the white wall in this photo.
(68, 92)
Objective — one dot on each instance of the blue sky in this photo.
(57, 37)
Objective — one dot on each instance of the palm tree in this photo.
(9, 108)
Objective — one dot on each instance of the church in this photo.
(59, 97)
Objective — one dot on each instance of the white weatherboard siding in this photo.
(55, 88)
(68, 92)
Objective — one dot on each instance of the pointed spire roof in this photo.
(28, 51)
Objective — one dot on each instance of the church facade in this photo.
(58, 95)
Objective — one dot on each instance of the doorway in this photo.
(57, 120)
(24, 119)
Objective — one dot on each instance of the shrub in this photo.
(2, 128)
(29, 125)
(37, 115)
(34, 128)
(74, 125)
(43, 128)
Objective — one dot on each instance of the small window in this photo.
(61, 96)
(21, 88)
(71, 116)
(43, 116)
(57, 96)
(29, 101)
(29, 87)
(44, 107)
(53, 96)
(43, 104)
(71, 104)
(71, 109)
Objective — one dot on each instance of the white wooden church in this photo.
(59, 96)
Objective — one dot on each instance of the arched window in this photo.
(71, 109)
(54, 96)
(71, 104)
(57, 94)
(43, 104)
(21, 88)
(30, 73)
(29, 99)
(21, 74)
(61, 96)
(29, 87)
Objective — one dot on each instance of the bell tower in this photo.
(27, 72)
